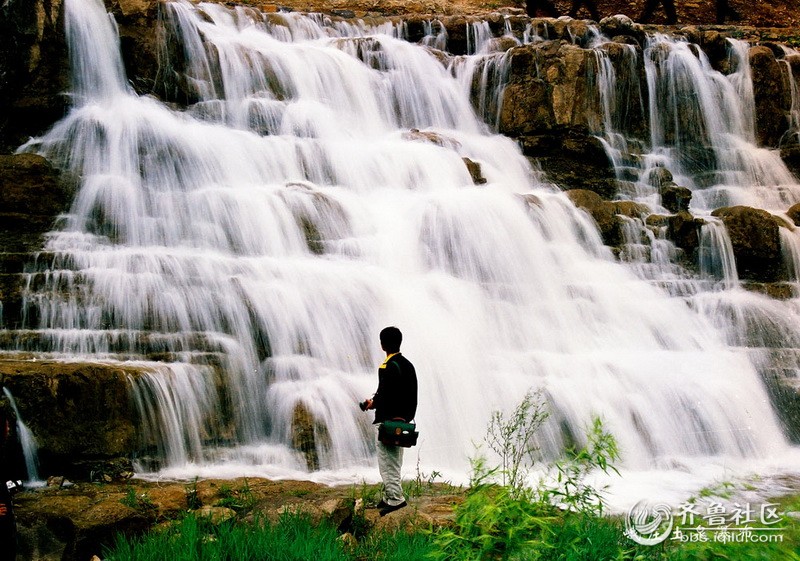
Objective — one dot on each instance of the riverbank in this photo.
(82, 520)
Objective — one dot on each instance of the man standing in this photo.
(396, 399)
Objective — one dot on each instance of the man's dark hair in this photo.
(391, 339)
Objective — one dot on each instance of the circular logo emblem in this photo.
(648, 525)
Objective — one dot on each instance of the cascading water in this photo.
(702, 129)
(30, 448)
(258, 241)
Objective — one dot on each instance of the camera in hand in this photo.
(363, 405)
(14, 486)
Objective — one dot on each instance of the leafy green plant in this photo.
(193, 501)
(427, 484)
(572, 491)
(512, 438)
(241, 499)
(493, 523)
(369, 494)
(140, 502)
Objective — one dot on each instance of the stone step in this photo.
(125, 343)
(14, 263)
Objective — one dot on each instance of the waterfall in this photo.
(716, 254)
(702, 125)
(30, 447)
(790, 248)
(792, 58)
(252, 246)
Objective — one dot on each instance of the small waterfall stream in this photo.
(30, 448)
(250, 248)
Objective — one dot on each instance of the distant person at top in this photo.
(650, 7)
(724, 11)
(591, 5)
(544, 6)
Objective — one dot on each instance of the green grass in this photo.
(292, 538)
(490, 525)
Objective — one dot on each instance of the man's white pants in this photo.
(390, 462)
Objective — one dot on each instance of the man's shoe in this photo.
(389, 508)
(382, 504)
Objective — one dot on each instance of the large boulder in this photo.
(756, 242)
(80, 413)
(549, 87)
(683, 230)
(675, 198)
(772, 97)
(794, 214)
(558, 152)
(620, 25)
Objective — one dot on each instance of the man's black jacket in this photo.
(397, 390)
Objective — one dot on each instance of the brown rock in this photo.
(33, 67)
(80, 414)
(339, 512)
(309, 436)
(790, 154)
(216, 514)
(620, 25)
(756, 242)
(675, 199)
(557, 152)
(684, 231)
(772, 97)
(75, 524)
(794, 214)
(604, 213)
(431, 137)
(30, 186)
(715, 46)
(659, 176)
(474, 169)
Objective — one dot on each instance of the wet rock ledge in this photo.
(80, 413)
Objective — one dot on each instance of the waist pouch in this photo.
(398, 433)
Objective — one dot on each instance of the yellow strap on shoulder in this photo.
(385, 362)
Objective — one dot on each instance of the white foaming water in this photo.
(30, 448)
(263, 237)
(792, 58)
(715, 254)
(702, 124)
